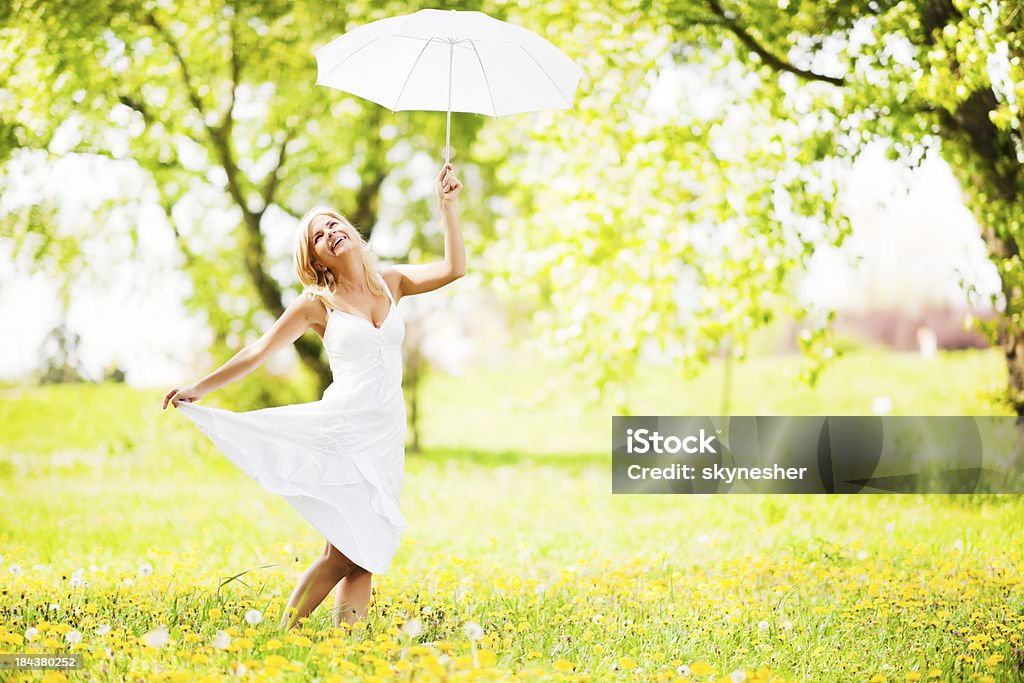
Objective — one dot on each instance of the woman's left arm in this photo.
(425, 277)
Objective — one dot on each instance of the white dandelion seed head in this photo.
(221, 640)
(683, 670)
(15, 569)
(890, 527)
(788, 625)
(763, 626)
(76, 581)
(881, 405)
(862, 555)
(412, 628)
(427, 609)
(473, 630)
(31, 632)
(128, 581)
(738, 676)
(73, 636)
(443, 659)
(54, 607)
(540, 588)
(93, 567)
(157, 638)
(240, 670)
(254, 616)
(145, 569)
(103, 629)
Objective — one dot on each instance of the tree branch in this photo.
(275, 176)
(777, 63)
(227, 119)
(173, 44)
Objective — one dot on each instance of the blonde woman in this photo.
(338, 461)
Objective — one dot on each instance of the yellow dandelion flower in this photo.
(994, 660)
(564, 665)
(701, 668)
(627, 663)
(914, 676)
(878, 678)
(300, 640)
(275, 660)
(486, 658)
(934, 673)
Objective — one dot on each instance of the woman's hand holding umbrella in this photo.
(448, 185)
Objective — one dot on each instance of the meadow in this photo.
(127, 537)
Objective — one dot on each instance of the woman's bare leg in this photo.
(315, 584)
(352, 597)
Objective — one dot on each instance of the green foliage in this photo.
(620, 227)
(215, 102)
(921, 74)
(676, 231)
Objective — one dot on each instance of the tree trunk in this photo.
(969, 133)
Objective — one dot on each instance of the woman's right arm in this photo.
(300, 315)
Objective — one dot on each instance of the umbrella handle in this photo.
(448, 124)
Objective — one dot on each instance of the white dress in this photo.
(339, 461)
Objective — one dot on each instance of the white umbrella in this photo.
(438, 60)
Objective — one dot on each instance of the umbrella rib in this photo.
(548, 75)
(409, 75)
(486, 82)
(335, 67)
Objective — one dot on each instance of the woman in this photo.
(338, 461)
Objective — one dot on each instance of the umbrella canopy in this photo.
(445, 60)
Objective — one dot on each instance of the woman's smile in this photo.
(337, 241)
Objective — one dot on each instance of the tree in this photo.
(216, 104)
(672, 230)
(924, 74)
(60, 363)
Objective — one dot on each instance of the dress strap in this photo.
(386, 288)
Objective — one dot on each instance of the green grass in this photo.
(490, 409)
(512, 525)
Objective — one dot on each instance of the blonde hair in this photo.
(321, 283)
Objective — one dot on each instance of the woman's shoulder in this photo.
(392, 279)
(311, 304)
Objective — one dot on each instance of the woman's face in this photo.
(331, 239)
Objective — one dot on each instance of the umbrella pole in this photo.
(448, 124)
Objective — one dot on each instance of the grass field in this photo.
(123, 526)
